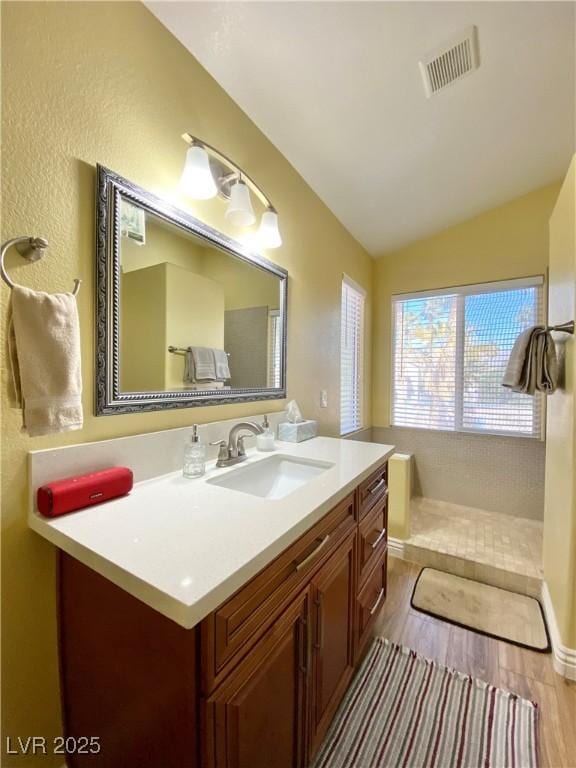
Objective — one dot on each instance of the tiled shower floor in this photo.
(476, 543)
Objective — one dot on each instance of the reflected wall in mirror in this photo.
(186, 316)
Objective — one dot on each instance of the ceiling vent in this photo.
(450, 62)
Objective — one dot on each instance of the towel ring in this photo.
(30, 248)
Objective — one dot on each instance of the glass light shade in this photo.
(239, 211)
(268, 233)
(197, 180)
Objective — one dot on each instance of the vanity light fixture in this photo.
(268, 233)
(197, 180)
(240, 211)
(208, 172)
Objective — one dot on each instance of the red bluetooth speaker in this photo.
(73, 493)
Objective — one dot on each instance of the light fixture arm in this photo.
(229, 165)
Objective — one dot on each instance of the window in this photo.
(274, 344)
(450, 351)
(351, 356)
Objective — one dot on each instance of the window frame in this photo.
(274, 348)
(361, 378)
(532, 281)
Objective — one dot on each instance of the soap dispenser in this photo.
(194, 456)
(265, 441)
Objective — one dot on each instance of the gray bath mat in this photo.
(489, 610)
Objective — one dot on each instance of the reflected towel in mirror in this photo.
(221, 364)
(205, 364)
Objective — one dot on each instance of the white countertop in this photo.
(184, 546)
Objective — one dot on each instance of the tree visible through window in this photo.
(450, 353)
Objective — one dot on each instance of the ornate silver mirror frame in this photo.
(109, 399)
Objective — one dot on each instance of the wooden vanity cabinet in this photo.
(372, 490)
(257, 683)
(127, 676)
(229, 632)
(372, 539)
(370, 600)
(333, 601)
(257, 717)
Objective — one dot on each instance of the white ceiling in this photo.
(337, 88)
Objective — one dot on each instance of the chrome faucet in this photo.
(233, 451)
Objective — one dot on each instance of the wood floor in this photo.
(528, 673)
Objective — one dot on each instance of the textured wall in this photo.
(499, 474)
(560, 507)
(494, 473)
(104, 82)
(506, 242)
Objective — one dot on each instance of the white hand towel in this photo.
(204, 363)
(221, 362)
(45, 355)
(189, 369)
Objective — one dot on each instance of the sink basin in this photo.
(272, 478)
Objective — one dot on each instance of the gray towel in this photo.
(532, 366)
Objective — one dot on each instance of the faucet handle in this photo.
(223, 449)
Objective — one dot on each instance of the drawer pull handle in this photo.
(376, 487)
(379, 539)
(313, 554)
(377, 603)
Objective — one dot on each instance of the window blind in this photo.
(351, 356)
(274, 342)
(450, 351)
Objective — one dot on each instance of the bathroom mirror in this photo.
(185, 315)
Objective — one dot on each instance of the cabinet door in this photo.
(257, 717)
(333, 594)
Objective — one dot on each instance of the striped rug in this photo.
(405, 711)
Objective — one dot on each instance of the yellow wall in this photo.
(104, 82)
(194, 318)
(560, 499)
(143, 298)
(161, 306)
(162, 245)
(244, 286)
(506, 242)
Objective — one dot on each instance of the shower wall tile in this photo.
(498, 474)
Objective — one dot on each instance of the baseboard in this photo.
(396, 547)
(564, 658)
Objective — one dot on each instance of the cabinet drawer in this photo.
(229, 632)
(371, 600)
(372, 490)
(372, 538)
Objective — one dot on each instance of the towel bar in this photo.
(563, 327)
(176, 350)
(30, 248)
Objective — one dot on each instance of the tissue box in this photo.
(295, 433)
